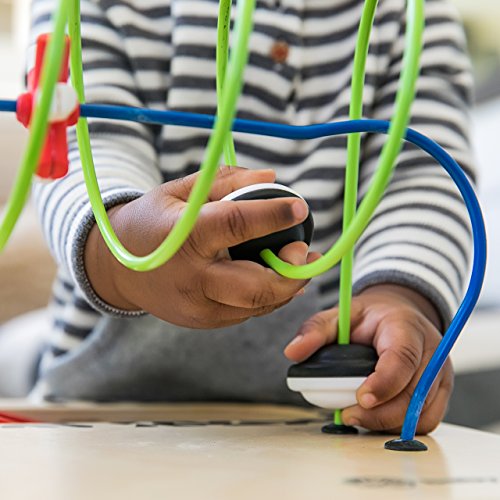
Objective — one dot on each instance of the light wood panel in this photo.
(132, 412)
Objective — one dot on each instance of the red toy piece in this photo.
(53, 162)
(9, 418)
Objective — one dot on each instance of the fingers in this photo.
(294, 253)
(231, 311)
(247, 285)
(313, 256)
(220, 315)
(318, 331)
(230, 179)
(400, 348)
(227, 223)
(434, 413)
(227, 180)
(244, 298)
(390, 416)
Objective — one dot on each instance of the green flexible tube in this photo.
(404, 99)
(39, 126)
(221, 55)
(352, 167)
(208, 170)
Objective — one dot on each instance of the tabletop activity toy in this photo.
(51, 105)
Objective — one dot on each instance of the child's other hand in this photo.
(402, 326)
(200, 286)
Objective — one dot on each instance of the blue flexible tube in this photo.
(473, 290)
(6, 105)
(329, 129)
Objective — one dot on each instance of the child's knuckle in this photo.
(236, 223)
(262, 297)
(317, 322)
(409, 356)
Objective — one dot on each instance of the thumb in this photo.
(400, 347)
(317, 331)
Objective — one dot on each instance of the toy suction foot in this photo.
(339, 429)
(405, 445)
(250, 250)
(330, 377)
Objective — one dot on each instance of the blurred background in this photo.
(26, 268)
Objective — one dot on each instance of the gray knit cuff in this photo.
(77, 265)
(408, 280)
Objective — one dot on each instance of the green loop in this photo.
(392, 147)
(221, 56)
(39, 125)
(208, 170)
(352, 167)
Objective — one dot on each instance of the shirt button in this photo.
(279, 51)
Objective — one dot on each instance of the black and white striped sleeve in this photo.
(419, 235)
(124, 153)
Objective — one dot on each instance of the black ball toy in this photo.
(251, 249)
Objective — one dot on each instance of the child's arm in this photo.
(412, 261)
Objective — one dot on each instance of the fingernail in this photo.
(302, 291)
(354, 422)
(367, 400)
(300, 210)
(296, 340)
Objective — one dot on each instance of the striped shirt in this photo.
(160, 54)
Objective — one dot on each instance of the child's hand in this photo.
(200, 286)
(402, 326)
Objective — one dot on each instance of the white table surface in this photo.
(222, 461)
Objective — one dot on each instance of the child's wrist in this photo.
(103, 270)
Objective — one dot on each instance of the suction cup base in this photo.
(339, 429)
(405, 445)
